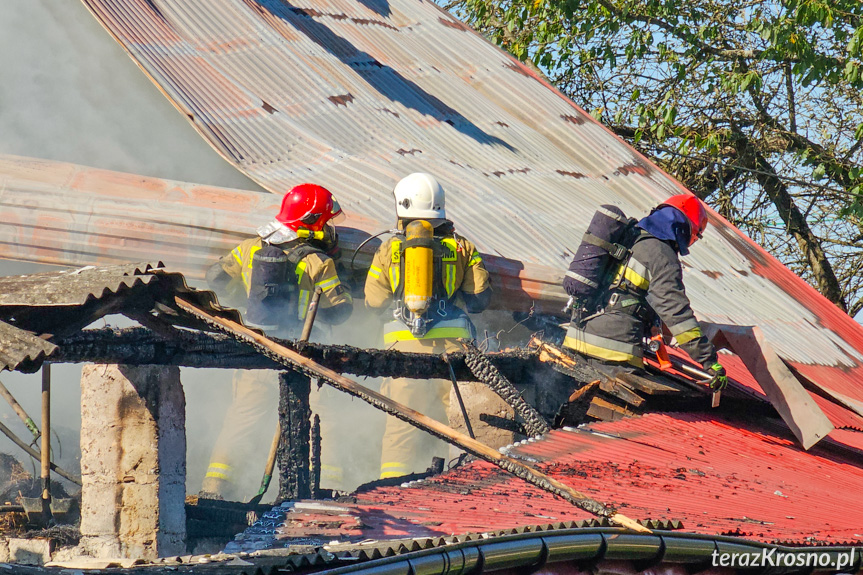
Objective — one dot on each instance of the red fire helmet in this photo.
(694, 211)
(309, 206)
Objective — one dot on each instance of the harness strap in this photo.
(617, 251)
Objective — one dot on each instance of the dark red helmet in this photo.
(694, 211)
(309, 206)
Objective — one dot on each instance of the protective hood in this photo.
(276, 233)
(668, 224)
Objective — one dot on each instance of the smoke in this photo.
(71, 93)
(27, 390)
(351, 429)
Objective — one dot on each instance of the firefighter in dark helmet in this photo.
(643, 285)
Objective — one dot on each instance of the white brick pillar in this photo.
(133, 461)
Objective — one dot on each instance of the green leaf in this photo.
(818, 172)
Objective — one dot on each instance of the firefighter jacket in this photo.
(313, 269)
(649, 282)
(462, 272)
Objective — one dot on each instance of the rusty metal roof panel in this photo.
(355, 94)
(59, 213)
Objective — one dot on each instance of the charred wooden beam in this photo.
(140, 346)
(294, 455)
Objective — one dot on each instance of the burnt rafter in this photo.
(140, 346)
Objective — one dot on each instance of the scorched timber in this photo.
(140, 346)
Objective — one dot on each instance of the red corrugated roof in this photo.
(839, 416)
(715, 475)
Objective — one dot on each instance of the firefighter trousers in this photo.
(248, 428)
(406, 449)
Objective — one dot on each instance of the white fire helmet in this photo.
(419, 196)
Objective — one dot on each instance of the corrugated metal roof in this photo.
(354, 95)
(60, 213)
(716, 476)
(57, 303)
(20, 349)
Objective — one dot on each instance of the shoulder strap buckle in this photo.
(617, 251)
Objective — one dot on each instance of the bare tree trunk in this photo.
(795, 222)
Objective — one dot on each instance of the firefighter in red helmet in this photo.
(645, 286)
(272, 276)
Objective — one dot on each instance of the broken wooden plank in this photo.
(607, 411)
(621, 391)
(583, 390)
(785, 392)
(652, 386)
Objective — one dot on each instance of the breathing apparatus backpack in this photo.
(607, 242)
(273, 288)
(420, 285)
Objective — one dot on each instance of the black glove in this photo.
(719, 380)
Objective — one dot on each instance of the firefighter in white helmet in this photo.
(419, 273)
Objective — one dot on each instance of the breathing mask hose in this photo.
(364, 242)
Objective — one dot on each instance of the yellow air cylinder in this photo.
(419, 268)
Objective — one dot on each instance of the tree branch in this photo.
(796, 224)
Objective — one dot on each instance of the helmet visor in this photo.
(338, 215)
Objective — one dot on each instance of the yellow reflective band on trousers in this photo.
(219, 471)
(444, 329)
(393, 469)
(331, 474)
(602, 348)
